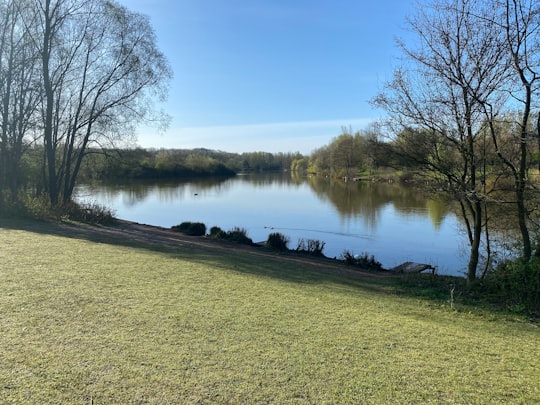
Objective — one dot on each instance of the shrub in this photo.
(311, 246)
(183, 227)
(348, 257)
(90, 213)
(239, 235)
(191, 228)
(518, 283)
(364, 261)
(277, 241)
(40, 208)
(34, 207)
(217, 233)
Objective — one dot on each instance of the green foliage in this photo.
(277, 241)
(444, 289)
(190, 228)
(312, 247)
(239, 235)
(217, 233)
(181, 163)
(39, 207)
(364, 261)
(31, 207)
(91, 213)
(518, 284)
(299, 165)
(364, 152)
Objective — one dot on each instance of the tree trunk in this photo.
(475, 245)
(522, 181)
(522, 220)
(50, 146)
(538, 137)
(4, 154)
(522, 53)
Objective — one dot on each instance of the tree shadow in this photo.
(228, 256)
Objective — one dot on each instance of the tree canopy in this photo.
(75, 76)
(472, 67)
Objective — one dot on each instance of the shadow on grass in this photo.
(257, 261)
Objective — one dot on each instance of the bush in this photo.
(277, 241)
(364, 261)
(191, 228)
(311, 246)
(34, 207)
(217, 233)
(518, 283)
(89, 213)
(348, 257)
(239, 235)
(40, 208)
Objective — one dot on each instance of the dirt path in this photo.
(153, 235)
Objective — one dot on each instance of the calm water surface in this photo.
(392, 222)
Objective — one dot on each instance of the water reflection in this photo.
(392, 222)
(137, 192)
(367, 199)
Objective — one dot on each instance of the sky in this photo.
(271, 75)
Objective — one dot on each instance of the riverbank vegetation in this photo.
(110, 320)
(510, 286)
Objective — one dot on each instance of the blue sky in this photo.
(271, 75)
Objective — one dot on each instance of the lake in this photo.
(392, 222)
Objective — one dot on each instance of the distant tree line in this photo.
(358, 154)
(181, 163)
(376, 153)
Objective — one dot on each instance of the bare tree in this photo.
(101, 69)
(437, 100)
(519, 21)
(19, 94)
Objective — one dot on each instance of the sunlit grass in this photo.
(84, 321)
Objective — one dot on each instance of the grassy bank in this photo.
(86, 320)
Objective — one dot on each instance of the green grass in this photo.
(84, 321)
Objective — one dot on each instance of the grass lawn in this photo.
(85, 322)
